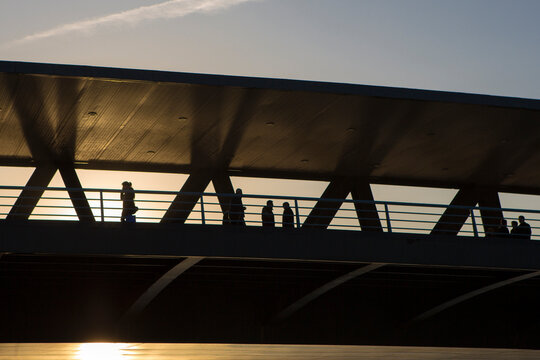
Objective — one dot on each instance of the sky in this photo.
(480, 46)
(475, 46)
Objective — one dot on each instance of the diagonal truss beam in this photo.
(78, 198)
(367, 213)
(490, 217)
(223, 185)
(29, 197)
(326, 208)
(297, 305)
(185, 200)
(453, 218)
(470, 295)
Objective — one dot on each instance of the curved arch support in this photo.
(294, 307)
(154, 290)
(467, 296)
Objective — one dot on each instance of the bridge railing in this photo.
(54, 203)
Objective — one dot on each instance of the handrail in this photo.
(394, 216)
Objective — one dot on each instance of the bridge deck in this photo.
(171, 240)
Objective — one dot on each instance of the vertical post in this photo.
(388, 226)
(475, 229)
(101, 206)
(202, 210)
(297, 214)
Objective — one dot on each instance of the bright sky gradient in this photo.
(478, 46)
(481, 46)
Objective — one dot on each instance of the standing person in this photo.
(502, 230)
(226, 220)
(267, 214)
(288, 216)
(514, 233)
(128, 204)
(236, 209)
(524, 228)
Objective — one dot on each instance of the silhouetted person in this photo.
(267, 214)
(226, 219)
(502, 230)
(491, 231)
(515, 231)
(236, 209)
(524, 228)
(288, 216)
(128, 204)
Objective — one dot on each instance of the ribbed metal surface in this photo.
(124, 119)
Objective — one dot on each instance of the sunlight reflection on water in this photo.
(160, 351)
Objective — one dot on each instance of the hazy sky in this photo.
(484, 46)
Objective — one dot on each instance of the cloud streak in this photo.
(165, 10)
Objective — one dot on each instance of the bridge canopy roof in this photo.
(123, 119)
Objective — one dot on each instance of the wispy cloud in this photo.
(164, 10)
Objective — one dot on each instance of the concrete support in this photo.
(326, 208)
(368, 217)
(490, 217)
(78, 198)
(28, 199)
(453, 218)
(223, 185)
(184, 202)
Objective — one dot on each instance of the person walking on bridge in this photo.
(524, 229)
(128, 202)
(288, 216)
(236, 209)
(267, 215)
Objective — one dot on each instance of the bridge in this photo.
(352, 271)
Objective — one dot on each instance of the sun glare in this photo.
(102, 351)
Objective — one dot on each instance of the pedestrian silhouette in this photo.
(226, 219)
(524, 229)
(236, 209)
(288, 216)
(128, 204)
(502, 230)
(267, 214)
(515, 230)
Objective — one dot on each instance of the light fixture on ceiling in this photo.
(92, 113)
(182, 118)
(150, 152)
